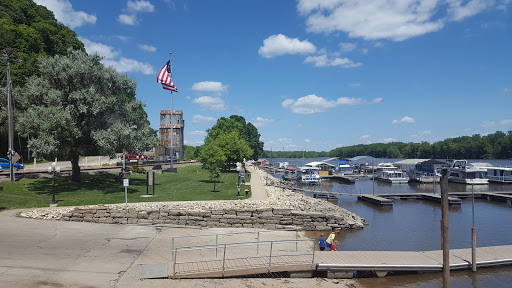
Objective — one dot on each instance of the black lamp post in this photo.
(54, 169)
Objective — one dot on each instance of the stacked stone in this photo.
(266, 217)
(283, 209)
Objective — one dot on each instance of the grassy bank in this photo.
(185, 185)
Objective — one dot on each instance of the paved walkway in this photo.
(258, 191)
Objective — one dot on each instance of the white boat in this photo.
(499, 174)
(344, 167)
(460, 172)
(427, 171)
(309, 175)
(386, 172)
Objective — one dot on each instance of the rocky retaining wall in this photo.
(266, 218)
(283, 209)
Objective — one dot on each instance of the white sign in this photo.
(125, 182)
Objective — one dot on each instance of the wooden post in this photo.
(445, 232)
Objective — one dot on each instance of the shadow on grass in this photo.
(105, 183)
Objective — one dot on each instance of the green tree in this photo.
(246, 130)
(213, 159)
(78, 106)
(234, 147)
(34, 32)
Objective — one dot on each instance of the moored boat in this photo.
(499, 174)
(460, 172)
(386, 172)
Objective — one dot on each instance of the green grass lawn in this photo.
(101, 188)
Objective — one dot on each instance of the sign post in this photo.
(125, 184)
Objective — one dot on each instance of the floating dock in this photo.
(345, 264)
(387, 199)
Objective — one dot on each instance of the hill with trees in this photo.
(497, 145)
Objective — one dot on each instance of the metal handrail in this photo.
(234, 233)
(229, 245)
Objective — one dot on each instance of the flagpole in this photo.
(172, 116)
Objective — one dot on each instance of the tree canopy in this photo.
(34, 32)
(496, 145)
(77, 106)
(246, 130)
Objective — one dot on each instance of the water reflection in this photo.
(414, 225)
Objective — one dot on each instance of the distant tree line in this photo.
(497, 145)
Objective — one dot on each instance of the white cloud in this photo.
(459, 11)
(198, 133)
(421, 135)
(285, 141)
(127, 19)
(404, 120)
(365, 137)
(354, 84)
(202, 119)
(132, 9)
(212, 103)
(307, 140)
(129, 65)
(311, 104)
(122, 65)
(388, 140)
(393, 20)
(506, 122)
(488, 124)
(98, 48)
(147, 48)
(65, 14)
(140, 6)
(347, 47)
(260, 121)
(209, 86)
(277, 45)
(324, 61)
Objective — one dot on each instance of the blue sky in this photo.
(311, 74)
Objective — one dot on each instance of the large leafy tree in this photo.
(246, 130)
(33, 32)
(77, 106)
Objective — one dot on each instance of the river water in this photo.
(414, 225)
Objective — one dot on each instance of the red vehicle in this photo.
(135, 156)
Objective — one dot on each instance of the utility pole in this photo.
(6, 55)
(445, 237)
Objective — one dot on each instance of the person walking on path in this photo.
(321, 242)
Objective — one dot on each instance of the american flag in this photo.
(164, 77)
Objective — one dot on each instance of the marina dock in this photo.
(345, 264)
(454, 197)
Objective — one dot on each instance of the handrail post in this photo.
(296, 242)
(174, 264)
(270, 257)
(313, 261)
(224, 261)
(216, 244)
(172, 248)
(258, 246)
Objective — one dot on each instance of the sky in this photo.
(312, 74)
